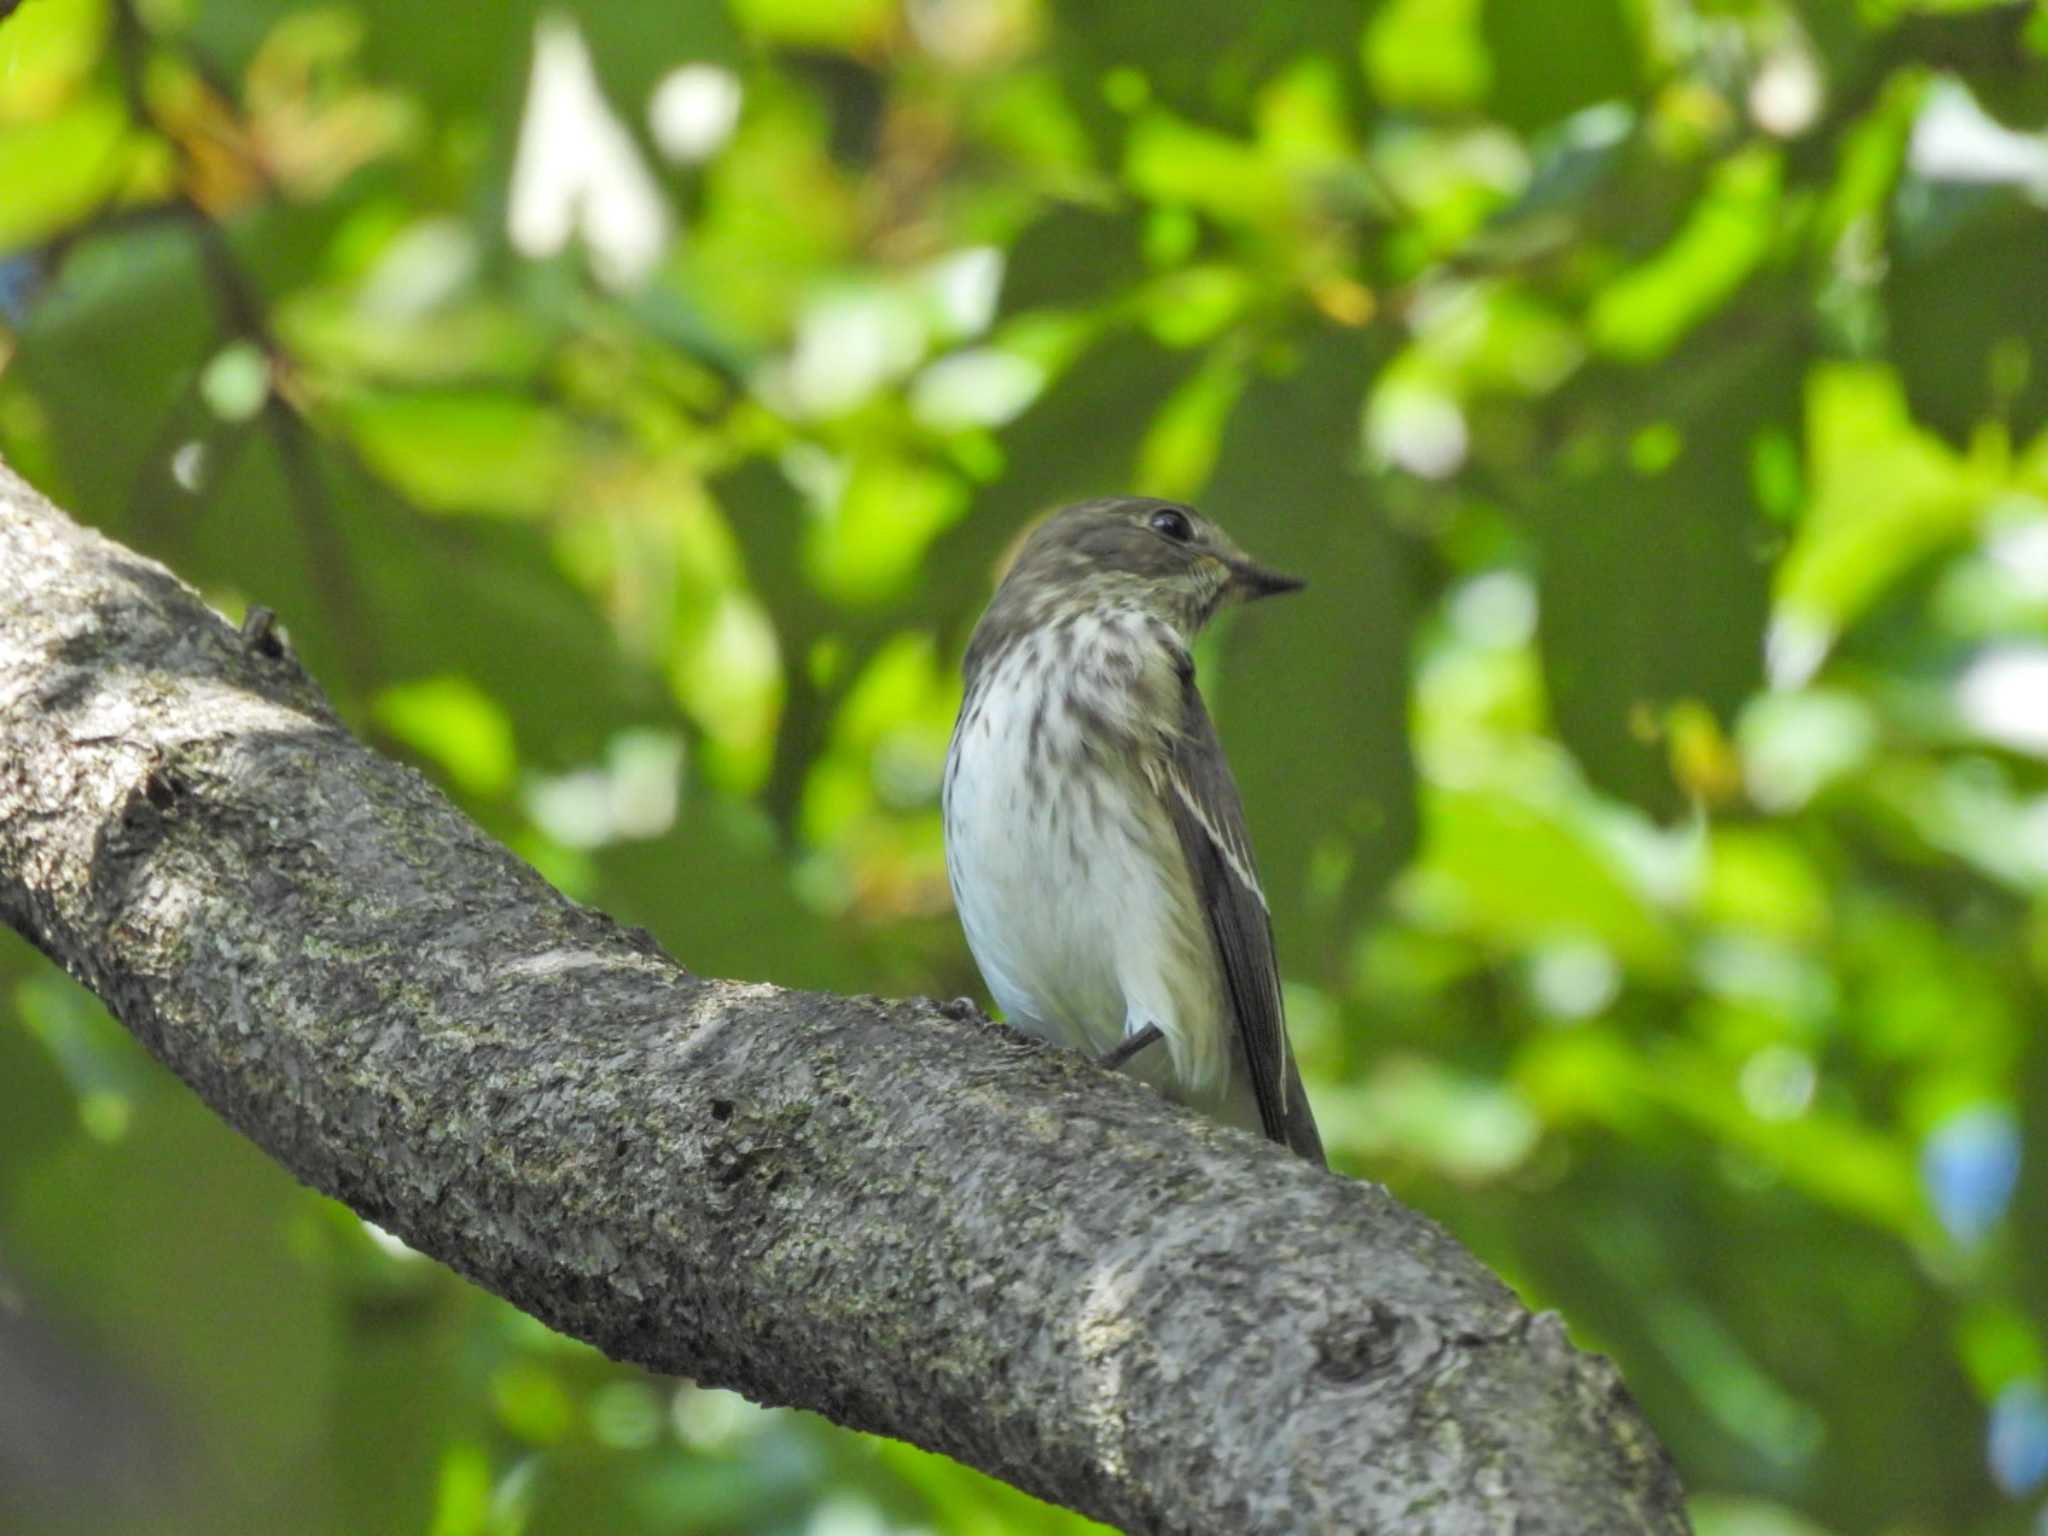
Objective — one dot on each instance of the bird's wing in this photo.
(1209, 818)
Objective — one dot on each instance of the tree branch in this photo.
(921, 1227)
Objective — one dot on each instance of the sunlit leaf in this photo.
(1303, 118)
(1180, 449)
(464, 343)
(462, 1500)
(47, 49)
(866, 543)
(1516, 873)
(498, 454)
(1428, 53)
(1171, 160)
(1999, 1344)
(1761, 880)
(1884, 496)
(1644, 313)
(1721, 1515)
(455, 724)
(727, 672)
(850, 25)
(59, 169)
(1413, 1109)
(1190, 305)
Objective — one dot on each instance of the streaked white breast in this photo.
(1066, 870)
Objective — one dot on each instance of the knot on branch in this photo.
(1352, 1349)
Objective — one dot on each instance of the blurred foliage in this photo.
(627, 406)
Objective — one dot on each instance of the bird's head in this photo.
(1160, 557)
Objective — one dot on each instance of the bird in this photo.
(1095, 840)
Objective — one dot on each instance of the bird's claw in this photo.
(1128, 1047)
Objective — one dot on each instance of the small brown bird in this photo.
(1094, 838)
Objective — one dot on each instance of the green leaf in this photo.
(851, 25)
(1967, 329)
(1517, 874)
(1428, 53)
(497, 454)
(1655, 575)
(48, 1068)
(1190, 305)
(1171, 160)
(1885, 496)
(111, 350)
(59, 169)
(1760, 880)
(1550, 61)
(1998, 1345)
(1414, 1109)
(1181, 447)
(455, 725)
(869, 543)
(1330, 824)
(532, 1402)
(47, 49)
(462, 1495)
(1726, 1515)
(1645, 313)
(468, 342)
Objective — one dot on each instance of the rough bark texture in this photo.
(919, 1226)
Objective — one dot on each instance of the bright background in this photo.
(625, 406)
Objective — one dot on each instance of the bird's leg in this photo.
(1128, 1047)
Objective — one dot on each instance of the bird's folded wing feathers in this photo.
(1209, 818)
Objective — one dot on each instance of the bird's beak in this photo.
(1250, 581)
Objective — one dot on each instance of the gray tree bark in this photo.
(916, 1225)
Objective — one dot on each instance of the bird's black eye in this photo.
(1174, 525)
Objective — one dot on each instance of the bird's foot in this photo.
(1128, 1047)
(959, 1009)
